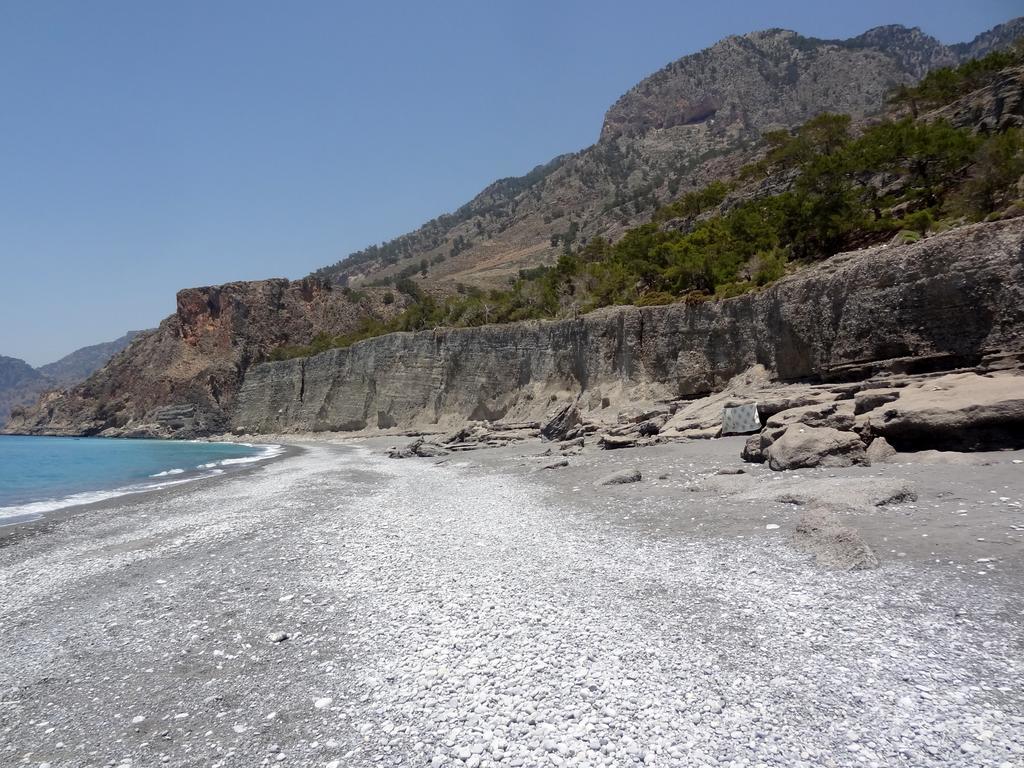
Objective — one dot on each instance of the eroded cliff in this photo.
(181, 378)
(947, 301)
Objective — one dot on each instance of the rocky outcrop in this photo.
(800, 447)
(975, 410)
(944, 302)
(21, 385)
(181, 379)
(956, 412)
(996, 107)
(681, 127)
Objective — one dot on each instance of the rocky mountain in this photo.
(695, 120)
(76, 366)
(182, 377)
(21, 384)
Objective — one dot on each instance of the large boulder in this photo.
(801, 447)
(955, 412)
(560, 422)
(836, 414)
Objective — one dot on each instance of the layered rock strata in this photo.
(951, 300)
(180, 379)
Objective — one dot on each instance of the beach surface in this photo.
(338, 608)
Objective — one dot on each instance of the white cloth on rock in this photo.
(740, 419)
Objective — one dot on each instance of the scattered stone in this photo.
(880, 451)
(420, 448)
(556, 464)
(753, 449)
(772, 527)
(731, 471)
(278, 637)
(649, 428)
(611, 442)
(622, 477)
(323, 702)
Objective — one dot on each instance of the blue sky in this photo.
(147, 147)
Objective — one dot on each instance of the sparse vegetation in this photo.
(899, 178)
(946, 84)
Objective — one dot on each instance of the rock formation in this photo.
(689, 123)
(954, 299)
(21, 384)
(181, 379)
(994, 107)
(694, 121)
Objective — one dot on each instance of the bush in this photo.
(770, 267)
(655, 298)
(919, 222)
(944, 174)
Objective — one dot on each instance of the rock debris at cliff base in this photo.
(340, 609)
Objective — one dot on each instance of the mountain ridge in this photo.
(182, 380)
(21, 383)
(669, 133)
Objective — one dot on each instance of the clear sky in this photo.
(151, 146)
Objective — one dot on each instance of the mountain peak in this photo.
(776, 77)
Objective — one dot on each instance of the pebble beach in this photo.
(337, 608)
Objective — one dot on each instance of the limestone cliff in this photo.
(181, 378)
(950, 300)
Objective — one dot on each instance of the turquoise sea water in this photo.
(40, 474)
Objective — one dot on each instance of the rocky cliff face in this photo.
(21, 384)
(693, 121)
(78, 365)
(950, 300)
(182, 378)
(995, 107)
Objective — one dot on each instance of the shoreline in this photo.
(48, 521)
(336, 605)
